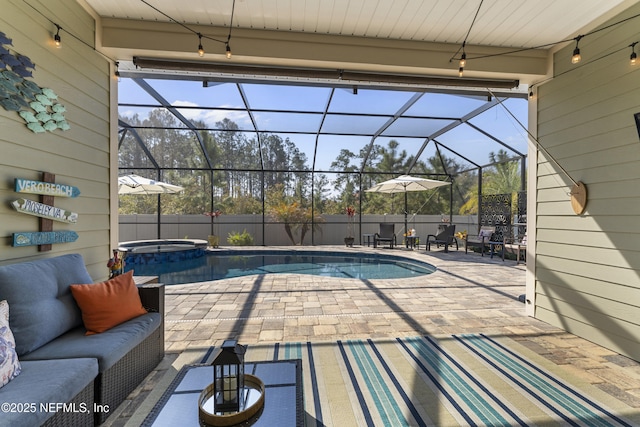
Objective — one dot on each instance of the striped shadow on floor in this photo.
(469, 380)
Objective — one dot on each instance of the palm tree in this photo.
(502, 178)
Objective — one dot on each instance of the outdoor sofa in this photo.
(68, 377)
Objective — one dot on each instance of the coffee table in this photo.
(283, 401)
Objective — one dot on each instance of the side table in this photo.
(412, 242)
(367, 238)
(492, 248)
(283, 404)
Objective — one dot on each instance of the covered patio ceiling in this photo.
(504, 39)
(335, 74)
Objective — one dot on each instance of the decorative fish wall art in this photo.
(38, 107)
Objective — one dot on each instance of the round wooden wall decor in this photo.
(579, 197)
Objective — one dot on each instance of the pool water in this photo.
(224, 265)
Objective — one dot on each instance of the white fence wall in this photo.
(331, 232)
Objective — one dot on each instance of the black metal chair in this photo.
(445, 237)
(386, 234)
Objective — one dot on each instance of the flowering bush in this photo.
(410, 232)
(213, 215)
(351, 212)
(461, 234)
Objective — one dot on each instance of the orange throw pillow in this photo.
(107, 304)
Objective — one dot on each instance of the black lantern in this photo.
(228, 377)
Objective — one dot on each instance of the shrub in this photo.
(240, 239)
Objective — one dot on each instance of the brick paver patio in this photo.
(467, 294)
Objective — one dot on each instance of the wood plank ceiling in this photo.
(501, 23)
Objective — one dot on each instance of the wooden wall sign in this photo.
(47, 189)
(29, 186)
(579, 198)
(44, 238)
(41, 210)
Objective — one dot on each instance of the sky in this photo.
(306, 104)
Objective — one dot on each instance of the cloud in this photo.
(211, 117)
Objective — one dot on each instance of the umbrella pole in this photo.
(405, 217)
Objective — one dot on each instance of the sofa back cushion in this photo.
(42, 307)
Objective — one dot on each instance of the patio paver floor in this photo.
(467, 294)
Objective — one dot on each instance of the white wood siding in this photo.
(587, 267)
(79, 156)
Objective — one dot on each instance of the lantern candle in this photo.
(230, 386)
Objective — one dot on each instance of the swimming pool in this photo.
(227, 264)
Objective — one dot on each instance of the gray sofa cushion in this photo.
(38, 293)
(108, 347)
(45, 381)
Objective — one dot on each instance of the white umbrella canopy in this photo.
(136, 184)
(404, 184)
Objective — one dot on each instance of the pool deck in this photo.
(467, 294)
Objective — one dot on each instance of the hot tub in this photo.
(142, 252)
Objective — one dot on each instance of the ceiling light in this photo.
(460, 71)
(633, 56)
(56, 37)
(463, 60)
(228, 49)
(200, 48)
(575, 58)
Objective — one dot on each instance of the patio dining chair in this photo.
(445, 237)
(386, 234)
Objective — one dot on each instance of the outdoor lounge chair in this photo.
(481, 240)
(445, 237)
(516, 246)
(386, 234)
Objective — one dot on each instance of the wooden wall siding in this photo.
(588, 267)
(80, 156)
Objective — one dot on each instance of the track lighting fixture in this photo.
(200, 48)
(56, 37)
(576, 52)
(228, 49)
(633, 56)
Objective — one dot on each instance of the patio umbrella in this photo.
(136, 184)
(404, 184)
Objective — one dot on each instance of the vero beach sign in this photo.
(30, 207)
(45, 188)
